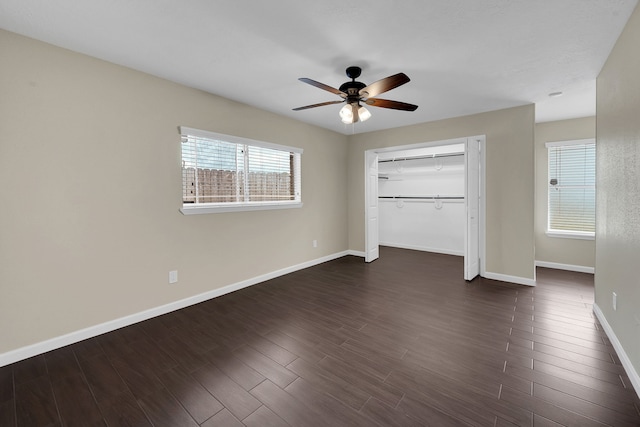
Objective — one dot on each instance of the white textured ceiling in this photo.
(463, 56)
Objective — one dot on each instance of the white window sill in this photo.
(571, 235)
(210, 208)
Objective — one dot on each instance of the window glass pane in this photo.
(211, 171)
(572, 209)
(270, 176)
(572, 187)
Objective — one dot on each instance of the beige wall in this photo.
(90, 185)
(618, 189)
(574, 252)
(509, 180)
(90, 182)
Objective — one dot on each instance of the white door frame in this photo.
(371, 235)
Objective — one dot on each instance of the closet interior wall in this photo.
(421, 199)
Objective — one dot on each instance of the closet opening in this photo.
(428, 197)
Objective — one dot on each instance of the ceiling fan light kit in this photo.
(347, 113)
(353, 93)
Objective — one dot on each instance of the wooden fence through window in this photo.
(220, 186)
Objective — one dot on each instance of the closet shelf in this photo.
(428, 156)
(399, 176)
(438, 197)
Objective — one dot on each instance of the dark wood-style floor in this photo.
(404, 341)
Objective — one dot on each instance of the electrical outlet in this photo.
(315, 243)
(614, 301)
(173, 276)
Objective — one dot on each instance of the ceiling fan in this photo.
(353, 93)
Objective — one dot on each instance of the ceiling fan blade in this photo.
(323, 86)
(396, 105)
(318, 105)
(384, 85)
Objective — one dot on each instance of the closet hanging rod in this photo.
(428, 156)
(423, 197)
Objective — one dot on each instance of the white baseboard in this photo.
(424, 249)
(356, 253)
(626, 362)
(512, 279)
(569, 267)
(93, 331)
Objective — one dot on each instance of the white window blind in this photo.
(572, 187)
(224, 173)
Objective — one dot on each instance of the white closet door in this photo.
(372, 251)
(472, 203)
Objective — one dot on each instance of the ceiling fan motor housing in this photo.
(352, 88)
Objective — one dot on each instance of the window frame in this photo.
(223, 207)
(566, 234)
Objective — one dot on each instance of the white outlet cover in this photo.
(173, 276)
